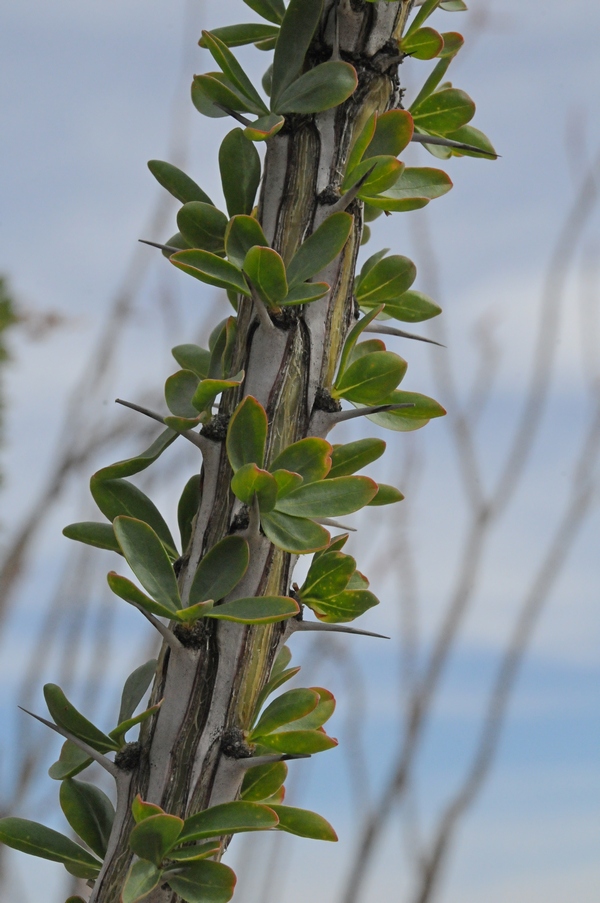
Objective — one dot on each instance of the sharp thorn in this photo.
(391, 330)
(167, 635)
(233, 114)
(328, 522)
(347, 198)
(254, 761)
(84, 747)
(320, 627)
(341, 416)
(193, 437)
(261, 309)
(154, 244)
(448, 142)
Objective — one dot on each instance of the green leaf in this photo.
(179, 390)
(147, 558)
(131, 466)
(263, 781)
(153, 837)
(256, 610)
(299, 742)
(141, 809)
(297, 30)
(221, 344)
(101, 536)
(272, 10)
(363, 348)
(243, 233)
(453, 42)
(415, 186)
(305, 293)
(177, 183)
(120, 497)
(386, 495)
(310, 457)
(290, 706)
(282, 660)
(65, 715)
(228, 818)
(319, 249)
(329, 498)
(385, 174)
(354, 335)
(427, 8)
(286, 482)
(211, 269)
(239, 165)
(202, 226)
(118, 733)
(208, 390)
(264, 127)
(326, 86)
(294, 534)
(346, 606)
(176, 241)
(237, 35)
(197, 851)
(277, 680)
(37, 840)
(214, 88)
(404, 420)
(369, 264)
(203, 882)
(392, 133)
(220, 570)
(328, 575)
(370, 378)
(304, 823)
(233, 71)
(72, 761)
(444, 111)
(75, 900)
(250, 481)
(348, 459)
(89, 812)
(266, 271)
(411, 307)
(135, 688)
(386, 280)
(192, 357)
(247, 434)
(128, 591)
(187, 509)
(364, 138)
(141, 880)
(316, 718)
(423, 44)
(454, 6)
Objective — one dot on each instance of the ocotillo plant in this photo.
(210, 759)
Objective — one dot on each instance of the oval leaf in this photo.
(65, 715)
(318, 716)
(386, 280)
(299, 742)
(297, 29)
(243, 233)
(238, 35)
(328, 575)
(220, 570)
(192, 357)
(423, 44)
(288, 707)
(177, 183)
(247, 434)
(412, 307)
(346, 606)
(72, 761)
(37, 840)
(329, 498)
(141, 880)
(135, 688)
(327, 85)
(101, 536)
(228, 818)
(304, 823)
(210, 269)
(266, 271)
(263, 781)
(202, 226)
(256, 610)
(443, 111)
(386, 495)
(294, 534)
(319, 249)
(203, 882)
(153, 837)
(393, 131)
(129, 592)
(250, 481)
(371, 378)
(89, 812)
(239, 165)
(404, 420)
(131, 466)
(347, 459)
(120, 497)
(147, 558)
(311, 458)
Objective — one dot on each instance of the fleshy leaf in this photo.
(208, 389)
(243, 233)
(294, 534)
(37, 840)
(319, 249)
(316, 718)
(299, 742)
(264, 127)
(297, 29)
(386, 280)
(329, 498)
(125, 726)
(65, 715)
(129, 592)
(392, 133)
(220, 570)
(131, 466)
(305, 293)
(192, 357)
(370, 378)
(101, 536)
(250, 481)
(310, 457)
(415, 187)
(228, 818)
(386, 170)
(410, 307)
(202, 226)
(286, 482)
(328, 575)
(233, 71)
(153, 837)
(89, 812)
(141, 809)
(147, 558)
(214, 88)
(407, 419)
(203, 882)
(177, 183)
(135, 688)
(443, 111)
(238, 35)
(187, 508)
(354, 335)
(197, 851)
(211, 269)
(423, 44)
(256, 610)
(304, 823)
(239, 165)
(468, 134)
(386, 495)
(72, 761)
(348, 459)
(326, 86)
(179, 391)
(346, 606)
(247, 434)
(266, 271)
(290, 706)
(142, 878)
(120, 497)
(271, 10)
(263, 781)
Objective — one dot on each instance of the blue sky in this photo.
(87, 93)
